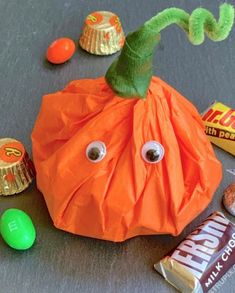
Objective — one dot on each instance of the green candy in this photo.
(17, 229)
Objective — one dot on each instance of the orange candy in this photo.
(60, 51)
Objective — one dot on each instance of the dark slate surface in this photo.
(60, 262)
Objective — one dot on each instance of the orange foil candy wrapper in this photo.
(203, 258)
(16, 168)
(219, 120)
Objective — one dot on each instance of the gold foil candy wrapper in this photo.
(16, 168)
(102, 33)
(178, 276)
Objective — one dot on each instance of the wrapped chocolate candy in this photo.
(229, 199)
(219, 121)
(102, 33)
(16, 168)
(200, 260)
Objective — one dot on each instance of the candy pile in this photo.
(208, 252)
(102, 35)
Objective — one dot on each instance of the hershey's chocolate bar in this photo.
(203, 257)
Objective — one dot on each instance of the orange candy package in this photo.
(122, 196)
(112, 164)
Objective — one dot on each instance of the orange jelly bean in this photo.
(60, 51)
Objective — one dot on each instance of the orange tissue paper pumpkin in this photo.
(126, 154)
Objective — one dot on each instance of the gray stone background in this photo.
(60, 262)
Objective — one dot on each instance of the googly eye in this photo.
(152, 152)
(96, 151)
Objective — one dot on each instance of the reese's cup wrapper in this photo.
(219, 120)
(102, 33)
(16, 168)
(200, 260)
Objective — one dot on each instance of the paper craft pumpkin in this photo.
(126, 154)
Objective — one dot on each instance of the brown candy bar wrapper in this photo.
(200, 260)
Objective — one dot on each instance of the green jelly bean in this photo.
(17, 229)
